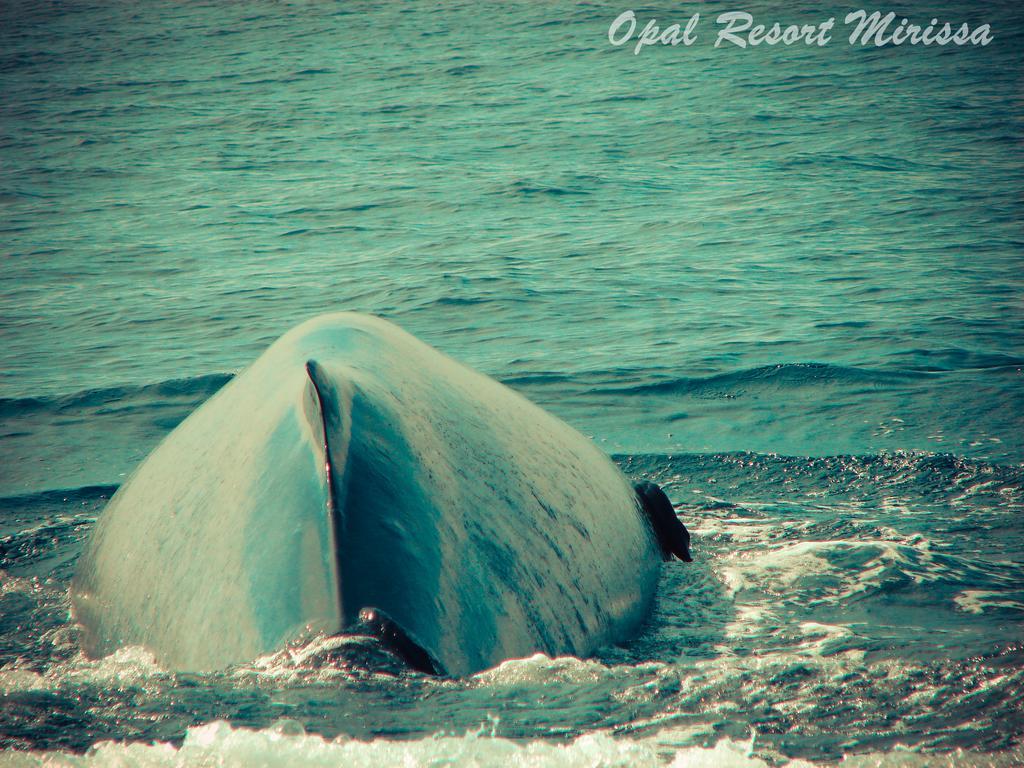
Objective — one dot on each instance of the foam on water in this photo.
(285, 743)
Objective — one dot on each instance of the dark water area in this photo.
(783, 282)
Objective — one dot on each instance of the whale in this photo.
(354, 479)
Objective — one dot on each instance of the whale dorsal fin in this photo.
(328, 414)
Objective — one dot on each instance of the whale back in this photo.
(352, 467)
(220, 545)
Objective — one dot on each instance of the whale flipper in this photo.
(672, 534)
(397, 641)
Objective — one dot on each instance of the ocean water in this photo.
(783, 282)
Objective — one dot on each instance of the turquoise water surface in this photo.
(787, 283)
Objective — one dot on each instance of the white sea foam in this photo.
(127, 666)
(284, 744)
(15, 680)
(982, 600)
(833, 570)
(539, 668)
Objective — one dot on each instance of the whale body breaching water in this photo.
(355, 479)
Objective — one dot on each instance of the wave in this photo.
(918, 475)
(663, 381)
(915, 473)
(173, 389)
(613, 381)
(781, 376)
(957, 358)
(287, 743)
(58, 496)
(637, 382)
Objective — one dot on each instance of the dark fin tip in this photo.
(315, 372)
(669, 529)
(393, 638)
